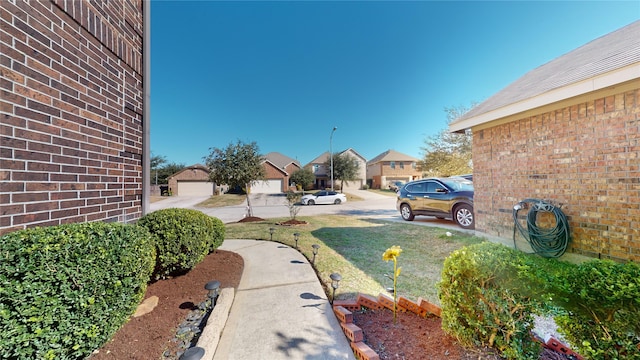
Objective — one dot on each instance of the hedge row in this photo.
(489, 293)
(65, 290)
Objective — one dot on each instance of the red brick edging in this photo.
(343, 310)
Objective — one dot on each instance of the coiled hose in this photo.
(547, 242)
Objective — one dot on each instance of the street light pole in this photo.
(331, 153)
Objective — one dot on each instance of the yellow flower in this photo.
(391, 253)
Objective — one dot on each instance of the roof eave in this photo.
(612, 78)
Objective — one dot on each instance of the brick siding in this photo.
(71, 108)
(585, 156)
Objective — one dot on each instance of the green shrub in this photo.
(218, 232)
(65, 290)
(488, 293)
(479, 305)
(603, 303)
(183, 238)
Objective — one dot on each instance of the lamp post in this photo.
(331, 153)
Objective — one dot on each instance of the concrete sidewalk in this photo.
(280, 310)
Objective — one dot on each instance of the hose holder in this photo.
(546, 242)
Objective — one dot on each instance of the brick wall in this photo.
(585, 156)
(71, 109)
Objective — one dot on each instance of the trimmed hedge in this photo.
(489, 293)
(65, 290)
(183, 237)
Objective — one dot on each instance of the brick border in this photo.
(343, 311)
(423, 308)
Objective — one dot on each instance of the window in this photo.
(433, 187)
(401, 165)
(393, 164)
(413, 165)
(315, 168)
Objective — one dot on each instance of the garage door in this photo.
(267, 187)
(195, 188)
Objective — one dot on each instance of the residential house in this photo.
(568, 132)
(278, 170)
(322, 172)
(73, 146)
(392, 166)
(191, 181)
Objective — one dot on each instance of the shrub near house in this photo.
(489, 293)
(183, 237)
(66, 289)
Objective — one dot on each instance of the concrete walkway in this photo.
(280, 310)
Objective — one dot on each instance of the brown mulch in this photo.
(149, 336)
(412, 337)
(250, 219)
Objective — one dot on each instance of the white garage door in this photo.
(195, 188)
(267, 187)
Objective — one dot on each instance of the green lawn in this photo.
(353, 247)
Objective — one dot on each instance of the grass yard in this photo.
(353, 247)
(224, 200)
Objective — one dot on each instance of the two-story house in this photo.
(392, 166)
(321, 170)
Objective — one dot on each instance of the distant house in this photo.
(278, 169)
(323, 172)
(191, 181)
(392, 166)
(569, 132)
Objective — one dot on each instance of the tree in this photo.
(345, 168)
(293, 198)
(237, 165)
(446, 153)
(167, 170)
(303, 177)
(155, 162)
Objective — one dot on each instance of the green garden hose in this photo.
(546, 242)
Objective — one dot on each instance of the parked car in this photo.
(466, 176)
(396, 185)
(323, 197)
(444, 198)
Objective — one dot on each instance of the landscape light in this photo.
(271, 230)
(194, 353)
(212, 286)
(315, 249)
(296, 236)
(335, 283)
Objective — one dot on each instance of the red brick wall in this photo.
(71, 112)
(585, 156)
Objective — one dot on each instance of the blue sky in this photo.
(283, 74)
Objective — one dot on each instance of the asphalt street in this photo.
(275, 206)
